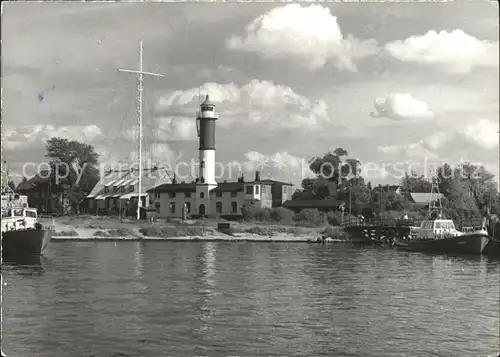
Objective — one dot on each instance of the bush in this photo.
(259, 231)
(66, 234)
(312, 216)
(334, 232)
(281, 215)
(120, 232)
(334, 218)
(167, 232)
(247, 212)
(278, 214)
(101, 234)
(262, 214)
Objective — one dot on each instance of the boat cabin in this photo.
(437, 228)
(19, 218)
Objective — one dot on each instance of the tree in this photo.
(414, 183)
(469, 191)
(480, 185)
(11, 185)
(73, 168)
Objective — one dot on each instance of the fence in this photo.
(354, 222)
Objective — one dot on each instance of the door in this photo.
(201, 211)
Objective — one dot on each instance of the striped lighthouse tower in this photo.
(205, 125)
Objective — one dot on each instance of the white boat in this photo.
(22, 233)
(439, 235)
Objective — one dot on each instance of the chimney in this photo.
(257, 175)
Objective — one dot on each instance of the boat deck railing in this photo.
(377, 222)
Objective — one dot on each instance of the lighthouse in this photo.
(205, 126)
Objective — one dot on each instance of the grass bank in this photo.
(86, 227)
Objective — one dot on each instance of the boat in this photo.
(439, 235)
(493, 247)
(22, 233)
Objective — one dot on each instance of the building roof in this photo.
(174, 187)
(207, 101)
(274, 182)
(150, 178)
(425, 198)
(312, 203)
(41, 177)
(229, 187)
(221, 186)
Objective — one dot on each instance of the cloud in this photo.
(280, 165)
(483, 133)
(155, 154)
(263, 102)
(455, 52)
(437, 140)
(398, 106)
(15, 137)
(309, 34)
(415, 150)
(175, 128)
(370, 171)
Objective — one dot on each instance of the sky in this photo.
(397, 85)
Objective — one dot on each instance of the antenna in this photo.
(140, 76)
(432, 202)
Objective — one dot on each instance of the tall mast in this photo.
(435, 190)
(140, 78)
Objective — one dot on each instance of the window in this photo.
(18, 212)
(218, 207)
(31, 214)
(256, 190)
(157, 206)
(172, 194)
(263, 189)
(172, 208)
(131, 188)
(285, 189)
(188, 207)
(202, 194)
(187, 194)
(249, 190)
(106, 189)
(218, 194)
(4, 214)
(122, 189)
(157, 195)
(234, 194)
(234, 207)
(207, 109)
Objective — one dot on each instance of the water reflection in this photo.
(30, 260)
(208, 278)
(139, 282)
(221, 299)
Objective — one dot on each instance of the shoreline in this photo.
(85, 228)
(256, 239)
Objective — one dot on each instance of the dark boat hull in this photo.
(29, 242)
(492, 248)
(470, 243)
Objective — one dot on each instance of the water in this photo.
(241, 299)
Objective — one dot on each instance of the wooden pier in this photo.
(377, 232)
